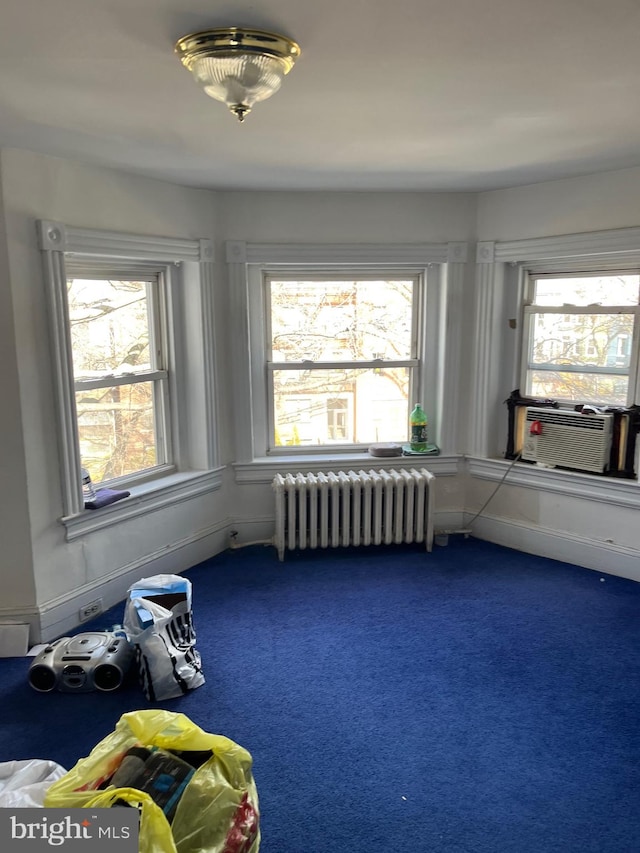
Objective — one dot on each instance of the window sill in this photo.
(264, 469)
(144, 498)
(607, 490)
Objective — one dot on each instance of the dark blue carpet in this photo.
(476, 699)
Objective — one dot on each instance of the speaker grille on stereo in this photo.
(42, 678)
(107, 677)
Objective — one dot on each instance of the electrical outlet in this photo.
(93, 608)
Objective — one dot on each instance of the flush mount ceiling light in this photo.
(237, 66)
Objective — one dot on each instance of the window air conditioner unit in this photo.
(568, 439)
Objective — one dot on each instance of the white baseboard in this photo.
(61, 614)
(448, 521)
(590, 553)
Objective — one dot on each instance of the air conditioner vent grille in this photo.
(568, 439)
(566, 418)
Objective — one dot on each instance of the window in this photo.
(367, 323)
(588, 354)
(338, 419)
(120, 369)
(341, 357)
(131, 331)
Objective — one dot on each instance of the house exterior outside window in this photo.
(120, 365)
(346, 347)
(588, 354)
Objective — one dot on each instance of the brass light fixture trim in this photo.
(236, 65)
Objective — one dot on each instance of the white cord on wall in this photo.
(494, 492)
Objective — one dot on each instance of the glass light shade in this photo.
(239, 81)
(236, 66)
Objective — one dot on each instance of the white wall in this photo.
(593, 203)
(349, 217)
(16, 561)
(37, 187)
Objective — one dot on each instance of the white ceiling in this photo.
(403, 95)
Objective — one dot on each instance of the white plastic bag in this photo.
(158, 622)
(23, 784)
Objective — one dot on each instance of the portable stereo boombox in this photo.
(91, 661)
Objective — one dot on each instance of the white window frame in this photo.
(157, 297)
(187, 266)
(442, 266)
(530, 308)
(413, 363)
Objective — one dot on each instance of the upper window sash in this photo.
(531, 276)
(356, 273)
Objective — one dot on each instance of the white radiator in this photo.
(353, 508)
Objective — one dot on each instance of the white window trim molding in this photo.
(575, 484)
(449, 258)
(495, 376)
(151, 496)
(56, 240)
(623, 241)
(264, 470)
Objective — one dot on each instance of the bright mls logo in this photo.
(112, 830)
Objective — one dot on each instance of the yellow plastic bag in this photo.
(218, 811)
(155, 832)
